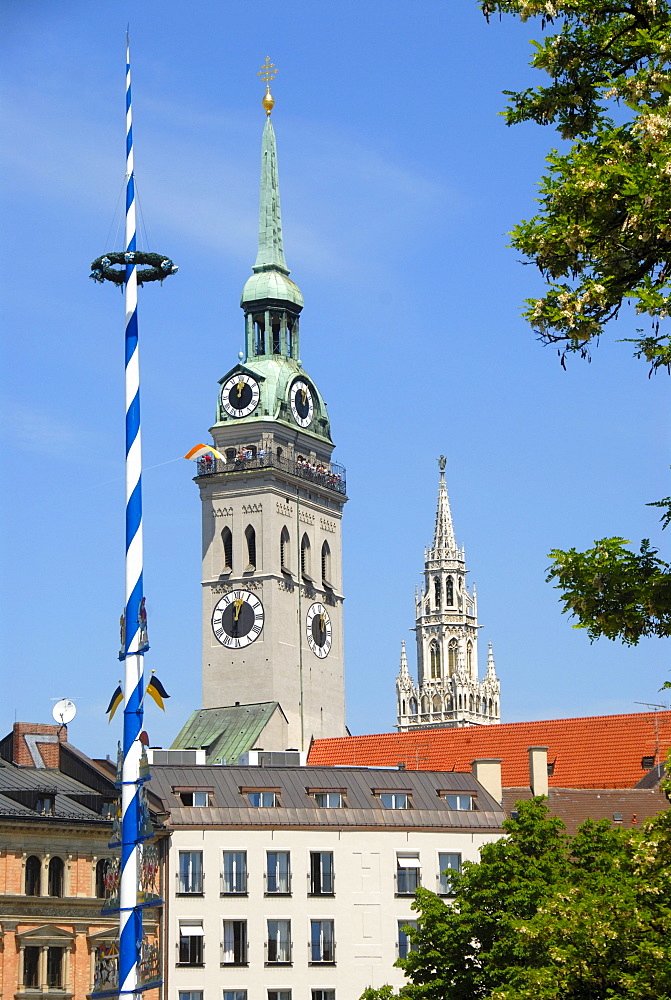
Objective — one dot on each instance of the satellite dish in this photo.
(64, 711)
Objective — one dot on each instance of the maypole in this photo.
(130, 917)
(137, 959)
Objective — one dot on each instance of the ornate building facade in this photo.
(448, 691)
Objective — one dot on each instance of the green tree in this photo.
(548, 917)
(602, 238)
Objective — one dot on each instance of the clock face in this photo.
(319, 630)
(302, 404)
(240, 395)
(237, 619)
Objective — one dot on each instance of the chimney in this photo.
(36, 744)
(538, 770)
(488, 773)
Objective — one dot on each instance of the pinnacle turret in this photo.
(443, 536)
(403, 671)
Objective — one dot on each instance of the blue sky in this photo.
(399, 181)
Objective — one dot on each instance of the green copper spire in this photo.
(270, 281)
(271, 252)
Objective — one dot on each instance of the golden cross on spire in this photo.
(267, 73)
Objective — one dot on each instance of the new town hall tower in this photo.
(271, 512)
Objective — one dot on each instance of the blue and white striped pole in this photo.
(130, 916)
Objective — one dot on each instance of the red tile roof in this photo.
(602, 751)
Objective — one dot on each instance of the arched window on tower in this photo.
(403, 712)
(491, 707)
(425, 705)
(33, 876)
(469, 656)
(434, 653)
(413, 706)
(436, 593)
(437, 707)
(289, 335)
(326, 566)
(452, 648)
(460, 703)
(470, 703)
(284, 549)
(260, 334)
(305, 558)
(55, 877)
(227, 541)
(449, 590)
(250, 537)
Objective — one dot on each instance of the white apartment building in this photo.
(295, 883)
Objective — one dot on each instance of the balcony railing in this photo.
(330, 476)
(408, 881)
(233, 883)
(189, 883)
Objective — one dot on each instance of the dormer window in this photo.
(459, 801)
(394, 800)
(262, 799)
(329, 800)
(194, 798)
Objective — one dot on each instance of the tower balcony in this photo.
(329, 475)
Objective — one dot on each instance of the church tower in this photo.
(272, 505)
(448, 691)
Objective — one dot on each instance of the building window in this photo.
(405, 943)
(194, 798)
(278, 873)
(279, 994)
(322, 941)
(435, 660)
(469, 658)
(395, 800)
(234, 944)
(190, 874)
(305, 557)
(459, 801)
(284, 549)
(326, 565)
(45, 805)
(33, 876)
(191, 943)
(323, 995)
(321, 873)
(278, 944)
(190, 995)
(437, 590)
(259, 334)
(449, 591)
(276, 327)
(452, 648)
(447, 863)
(101, 870)
(408, 874)
(55, 968)
(250, 537)
(262, 800)
(235, 995)
(31, 967)
(227, 541)
(329, 800)
(55, 877)
(234, 873)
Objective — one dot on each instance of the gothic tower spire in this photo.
(448, 691)
(271, 251)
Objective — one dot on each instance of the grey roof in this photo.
(225, 733)
(575, 805)
(362, 809)
(20, 787)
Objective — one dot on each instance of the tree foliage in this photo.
(603, 233)
(548, 917)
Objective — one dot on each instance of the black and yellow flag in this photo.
(115, 701)
(156, 691)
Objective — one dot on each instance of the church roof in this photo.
(225, 733)
(605, 751)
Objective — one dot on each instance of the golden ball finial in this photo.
(267, 72)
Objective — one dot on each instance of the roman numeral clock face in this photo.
(302, 403)
(319, 630)
(240, 395)
(237, 619)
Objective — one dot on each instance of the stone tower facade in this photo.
(448, 691)
(272, 503)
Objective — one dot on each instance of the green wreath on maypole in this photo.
(159, 267)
